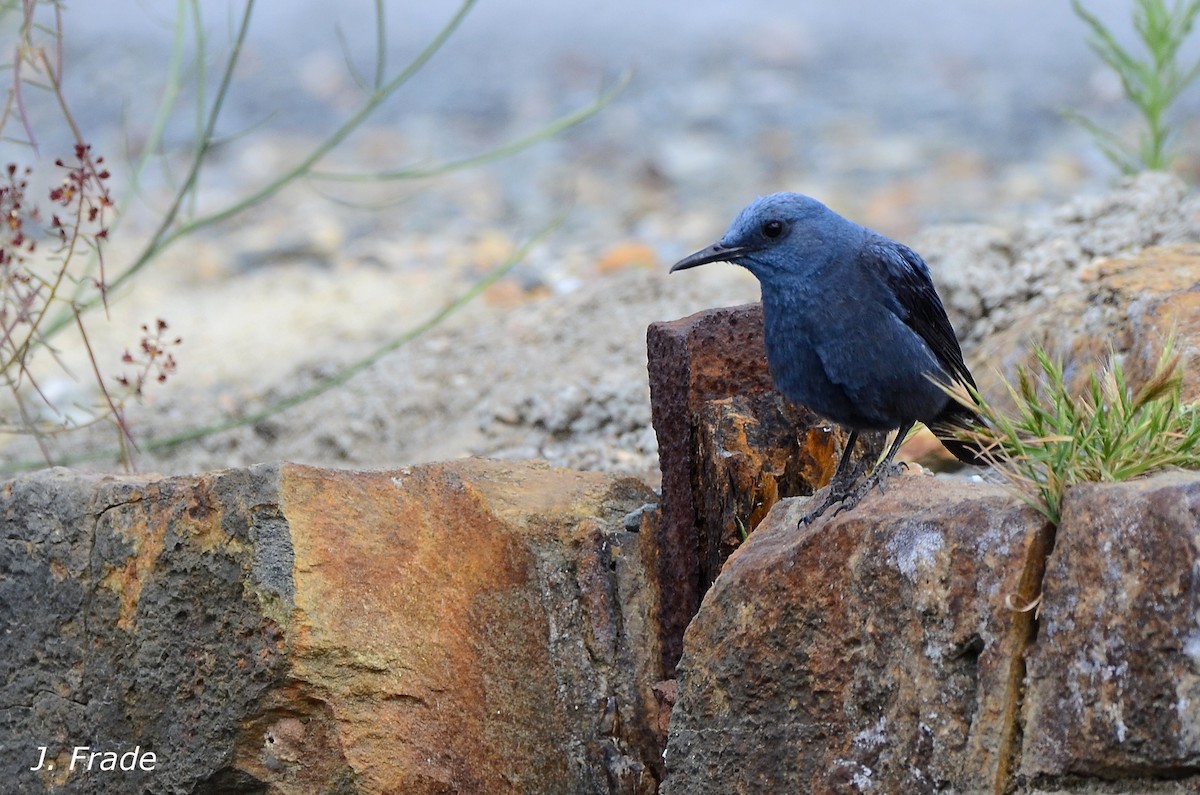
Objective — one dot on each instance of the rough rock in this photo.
(1127, 307)
(885, 649)
(994, 279)
(751, 450)
(467, 627)
(1113, 273)
(728, 447)
(970, 264)
(1114, 678)
(872, 651)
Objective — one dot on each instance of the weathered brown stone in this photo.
(751, 450)
(872, 651)
(1159, 290)
(706, 356)
(1114, 679)
(466, 627)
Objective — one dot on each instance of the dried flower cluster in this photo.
(39, 284)
(153, 360)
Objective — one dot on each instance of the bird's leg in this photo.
(843, 477)
(840, 492)
(839, 474)
(886, 468)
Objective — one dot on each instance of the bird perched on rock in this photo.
(854, 329)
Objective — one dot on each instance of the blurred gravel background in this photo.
(903, 116)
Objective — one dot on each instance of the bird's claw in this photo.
(881, 474)
(839, 494)
(816, 513)
(846, 498)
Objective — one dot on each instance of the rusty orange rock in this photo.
(473, 626)
(427, 619)
(728, 445)
(751, 451)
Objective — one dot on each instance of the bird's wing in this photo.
(921, 309)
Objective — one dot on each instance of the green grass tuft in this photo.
(1108, 433)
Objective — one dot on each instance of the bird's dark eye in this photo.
(772, 228)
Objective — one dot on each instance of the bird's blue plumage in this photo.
(854, 328)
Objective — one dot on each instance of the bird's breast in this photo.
(850, 359)
(793, 333)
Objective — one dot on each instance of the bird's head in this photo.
(776, 236)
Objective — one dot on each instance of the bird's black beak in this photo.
(714, 253)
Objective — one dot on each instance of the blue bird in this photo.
(854, 329)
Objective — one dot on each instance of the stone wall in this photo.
(480, 627)
(488, 627)
(913, 645)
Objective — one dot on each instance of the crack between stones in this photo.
(43, 692)
(1024, 631)
(90, 585)
(112, 506)
(89, 579)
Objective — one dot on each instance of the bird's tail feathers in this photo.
(948, 426)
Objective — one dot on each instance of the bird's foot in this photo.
(832, 497)
(845, 500)
(882, 474)
(841, 488)
(845, 493)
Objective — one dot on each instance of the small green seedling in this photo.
(1152, 82)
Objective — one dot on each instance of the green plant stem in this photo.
(162, 235)
(380, 46)
(305, 166)
(166, 104)
(24, 47)
(1152, 85)
(168, 232)
(511, 148)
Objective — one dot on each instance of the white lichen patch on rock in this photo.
(914, 551)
